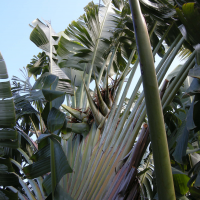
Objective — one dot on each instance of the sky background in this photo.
(15, 17)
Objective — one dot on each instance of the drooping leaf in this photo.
(5, 90)
(8, 195)
(181, 146)
(10, 144)
(50, 95)
(8, 134)
(9, 180)
(61, 166)
(76, 113)
(180, 183)
(3, 69)
(55, 119)
(7, 162)
(41, 154)
(38, 168)
(79, 128)
(7, 116)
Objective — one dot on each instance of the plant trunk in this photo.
(163, 171)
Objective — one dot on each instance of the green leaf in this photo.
(55, 120)
(76, 113)
(193, 89)
(180, 183)
(190, 122)
(3, 69)
(3, 169)
(47, 184)
(7, 114)
(195, 192)
(8, 195)
(10, 144)
(56, 103)
(143, 171)
(8, 179)
(50, 95)
(41, 154)
(79, 128)
(181, 146)
(8, 134)
(194, 72)
(38, 37)
(190, 17)
(61, 165)
(5, 90)
(38, 168)
(7, 162)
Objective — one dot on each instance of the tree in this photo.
(91, 145)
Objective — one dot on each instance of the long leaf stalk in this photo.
(127, 140)
(29, 161)
(112, 112)
(136, 119)
(97, 43)
(98, 159)
(178, 81)
(114, 50)
(168, 96)
(103, 68)
(106, 159)
(153, 104)
(126, 112)
(115, 120)
(161, 40)
(122, 121)
(20, 195)
(80, 99)
(53, 174)
(167, 64)
(100, 153)
(33, 183)
(165, 57)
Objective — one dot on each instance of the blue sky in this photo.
(16, 16)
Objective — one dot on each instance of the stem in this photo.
(165, 183)
(53, 170)
(53, 174)
(110, 64)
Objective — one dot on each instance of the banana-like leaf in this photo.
(50, 95)
(8, 195)
(3, 69)
(97, 115)
(41, 36)
(8, 134)
(76, 113)
(190, 17)
(10, 144)
(55, 120)
(38, 168)
(7, 116)
(61, 165)
(180, 183)
(7, 178)
(5, 91)
(92, 35)
(41, 154)
(6, 162)
(79, 128)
